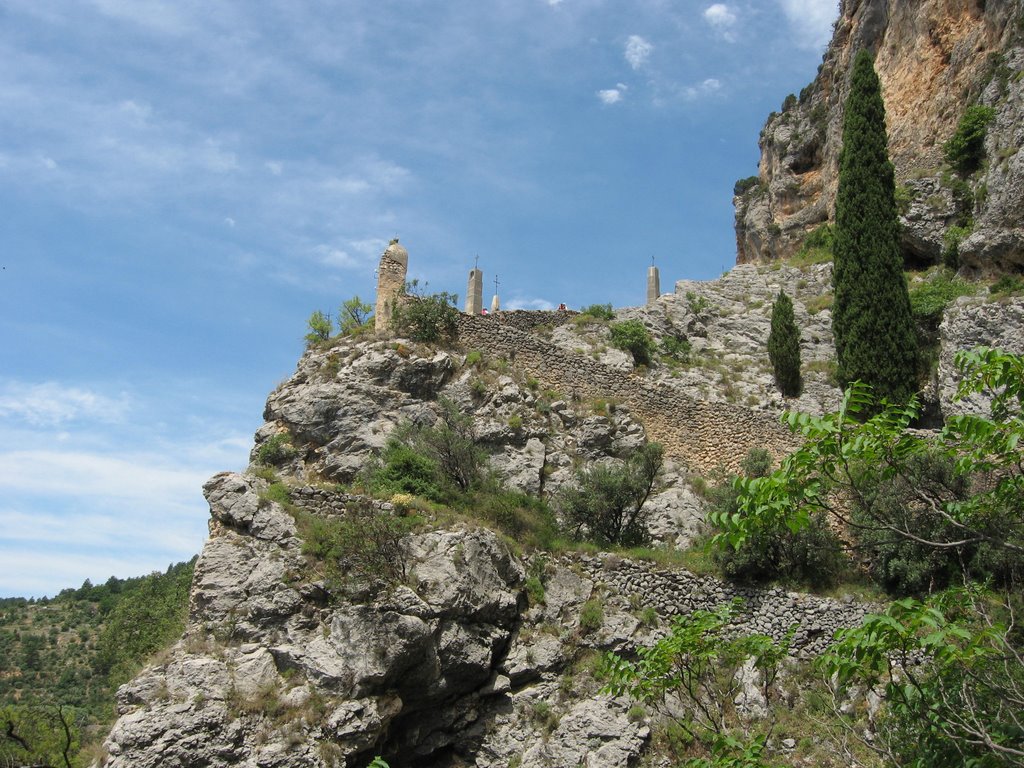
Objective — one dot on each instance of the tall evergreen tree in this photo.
(871, 318)
(784, 346)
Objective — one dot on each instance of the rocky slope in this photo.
(934, 59)
(481, 654)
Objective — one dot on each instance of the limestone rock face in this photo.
(969, 323)
(934, 58)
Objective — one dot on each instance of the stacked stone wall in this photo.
(520, 319)
(770, 611)
(706, 436)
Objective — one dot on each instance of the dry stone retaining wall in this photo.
(771, 611)
(706, 436)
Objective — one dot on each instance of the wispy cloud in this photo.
(612, 95)
(637, 51)
(521, 302)
(722, 19)
(810, 21)
(703, 88)
(52, 404)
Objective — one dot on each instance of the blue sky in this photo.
(183, 182)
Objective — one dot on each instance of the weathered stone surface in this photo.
(933, 59)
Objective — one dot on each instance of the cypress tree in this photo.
(784, 346)
(871, 318)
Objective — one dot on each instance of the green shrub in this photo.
(354, 316)
(811, 556)
(276, 450)
(403, 469)
(1007, 285)
(929, 299)
(606, 505)
(599, 312)
(966, 147)
(320, 328)
(742, 186)
(427, 317)
(905, 566)
(474, 357)
(633, 337)
(591, 616)
(951, 240)
(676, 348)
(366, 545)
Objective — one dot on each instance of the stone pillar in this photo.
(653, 284)
(475, 292)
(394, 263)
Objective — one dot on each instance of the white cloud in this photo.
(722, 19)
(334, 257)
(720, 15)
(80, 474)
(704, 88)
(637, 51)
(810, 21)
(274, 167)
(51, 404)
(230, 222)
(527, 303)
(610, 95)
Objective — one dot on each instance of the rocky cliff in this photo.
(934, 58)
(479, 652)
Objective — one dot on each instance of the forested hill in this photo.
(63, 657)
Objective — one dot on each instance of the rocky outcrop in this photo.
(450, 666)
(973, 322)
(934, 58)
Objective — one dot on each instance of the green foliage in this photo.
(404, 469)
(676, 348)
(276, 450)
(1007, 285)
(929, 299)
(39, 734)
(427, 317)
(784, 347)
(965, 149)
(811, 555)
(599, 312)
(951, 240)
(367, 546)
(742, 186)
(871, 320)
(591, 616)
(354, 315)
(320, 328)
(952, 677)
(474, 357)
(905, 565)
(378, 762)
(633, 337)
(606, 505)
(148, 618)
(952, 668)
(699, 662)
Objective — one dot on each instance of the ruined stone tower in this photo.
(394, 263)
(653, 284)
(475, 292)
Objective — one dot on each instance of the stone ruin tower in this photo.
(394, 263)
(475, 292)
(653, 284)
